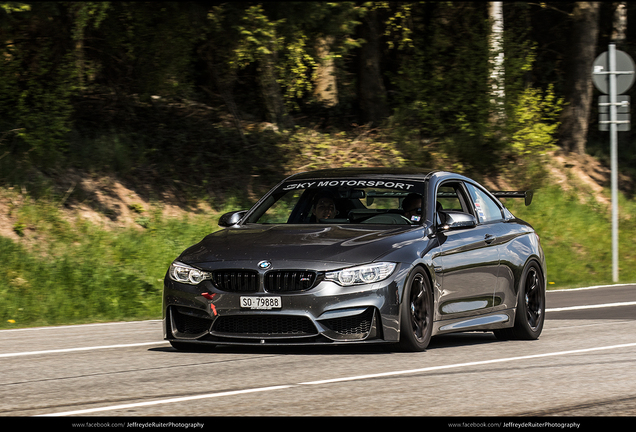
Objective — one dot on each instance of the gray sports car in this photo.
(365, 255)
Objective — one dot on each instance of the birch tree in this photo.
(497, 70)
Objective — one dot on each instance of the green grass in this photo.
(576, 238)
(80, 273)
(66, 272)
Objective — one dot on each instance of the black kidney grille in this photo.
(236, 280)
(264, 325)
(289, 280)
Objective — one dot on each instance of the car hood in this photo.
(325, 246)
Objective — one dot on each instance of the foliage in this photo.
(444, 93)
(43, 109)
(35, 94)
(144, 49)
(535, 121)
(435, 64)
(245, 33)
(443, 82)
(257, 36)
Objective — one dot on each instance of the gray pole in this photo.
(614, 158)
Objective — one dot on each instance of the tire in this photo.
(416, 324)
(530, 314)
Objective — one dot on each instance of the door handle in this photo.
(489, 238)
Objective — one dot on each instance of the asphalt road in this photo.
(584, 364)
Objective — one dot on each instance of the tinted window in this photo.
(448, 199)
(486, 209)
(342, 201)
(450, 196)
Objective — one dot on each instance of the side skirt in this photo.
(492, 321)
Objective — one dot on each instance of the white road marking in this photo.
(75, 326)
(165, 401)
(335, 380)
(568, 308)
(596, 306)
(564, 290)
(476, 363)
(64, 350)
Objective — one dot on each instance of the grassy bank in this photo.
(77, 272)
(576, 237)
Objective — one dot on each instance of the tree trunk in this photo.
(371, 91)
(575, 115)
(272, 93)
(326, 89)
(497, 71)
(619, 23)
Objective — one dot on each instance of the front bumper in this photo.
(326, 314)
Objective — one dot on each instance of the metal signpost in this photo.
(613, 74)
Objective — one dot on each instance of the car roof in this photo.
(420, 174)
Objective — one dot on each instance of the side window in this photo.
(451, 197)
(447, 199)
(486, 209)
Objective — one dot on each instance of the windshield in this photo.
(342, 202)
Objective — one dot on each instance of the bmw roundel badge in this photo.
(263, 265)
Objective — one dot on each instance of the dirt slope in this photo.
(109, 203)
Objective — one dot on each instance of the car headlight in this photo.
(364, 274)
(183, 273)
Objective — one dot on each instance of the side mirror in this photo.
(457, 220)
(231, 218)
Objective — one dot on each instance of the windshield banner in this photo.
(386, 184)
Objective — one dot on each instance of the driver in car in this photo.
(412, 206)
(324, 207)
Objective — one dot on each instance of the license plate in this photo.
(261, 303)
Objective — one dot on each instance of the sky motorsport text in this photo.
(350, 183)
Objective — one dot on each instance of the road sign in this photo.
(621, 107)
(613, 74)
(623, 116)
(624, 71)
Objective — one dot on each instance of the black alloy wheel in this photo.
(417, 313)
(530, 307)
(534, 299)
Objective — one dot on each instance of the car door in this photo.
(494, 215)
(490, 214)
(467, 266)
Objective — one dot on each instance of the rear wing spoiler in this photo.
(526, 195)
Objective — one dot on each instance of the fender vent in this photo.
(351, 325)
(190, 321)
